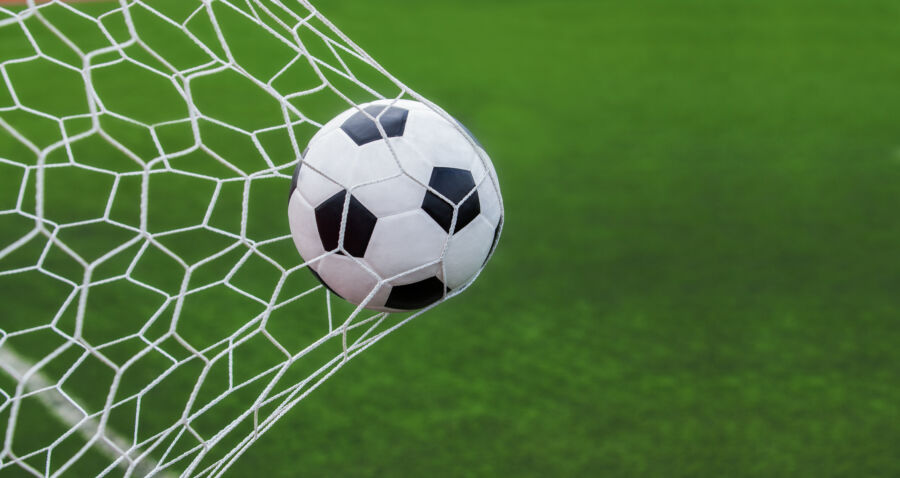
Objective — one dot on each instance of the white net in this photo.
(156, 316)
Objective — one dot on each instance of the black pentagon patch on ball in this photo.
(455, 184)
(294, 179)
(360, 224)
(416, 295)
(494, 243)
(362, 130)
(319, 278)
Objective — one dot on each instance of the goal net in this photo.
(156, 317)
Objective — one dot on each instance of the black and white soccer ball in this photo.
(395, 217)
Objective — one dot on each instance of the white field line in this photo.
(17, 367)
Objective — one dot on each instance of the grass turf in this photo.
(698, 273)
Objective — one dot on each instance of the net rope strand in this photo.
(201, 440)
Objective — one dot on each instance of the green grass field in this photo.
(699, 271)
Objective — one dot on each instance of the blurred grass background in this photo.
(699, 272)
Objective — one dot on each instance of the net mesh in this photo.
(154, 303)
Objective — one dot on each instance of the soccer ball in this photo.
(393, 215)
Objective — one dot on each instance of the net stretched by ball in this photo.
(158, 318)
